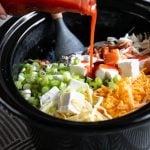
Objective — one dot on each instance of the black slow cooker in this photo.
(33, 36)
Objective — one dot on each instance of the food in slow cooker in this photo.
(119, 83)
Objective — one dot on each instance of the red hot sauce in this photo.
(92, 34)
(87, 7)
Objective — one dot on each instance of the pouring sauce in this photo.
(93, 25)
(87, 7)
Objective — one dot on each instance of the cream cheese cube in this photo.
(129, 68)
(101, 73)
(106, 73)
(75, 85)
(78, 69)
(51, 96)
(111, 73)
(71, 103)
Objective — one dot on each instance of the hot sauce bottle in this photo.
(85, 7)
(21, 7)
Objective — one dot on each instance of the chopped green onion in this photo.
(62, 86)
(27, 86)
(76, 61)
(31, 77)
(54, 70)
(45, 81)
(116, 79)
(93, 85)
(36, 64)
(61, 66)
(54, 83)
(52, 110)
(106, 82)
(41, 73)
(21, 77)
(45, 89)
(26, 93)
(55, 65)
(98, 82)
(48, 68)
(18, 84)
(67, 76)
(89, 80)
(112, 85)
(34, 102)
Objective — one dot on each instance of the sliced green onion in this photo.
(48, 68)
(52, 110)
(21, 77)
(54, 70)
(34, 102)
(27, 86)
(76, 61)
(45, 89)
(89, 80)
(112, 85)
(26, 93)
(61, 66)
(45, 81)
(67, 76)
(19, 85)
(36, 64)
(98, 82)
(106, 82)
(54, 83)
(93, 85)
(55, 65)
(41, 73)
(62, 86)
(116, 79)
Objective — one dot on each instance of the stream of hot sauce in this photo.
(92, 34)
(24, 6)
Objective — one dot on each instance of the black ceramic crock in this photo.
(33, 36)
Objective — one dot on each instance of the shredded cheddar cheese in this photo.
(128, 96)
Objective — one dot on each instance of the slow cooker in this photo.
(33, 36)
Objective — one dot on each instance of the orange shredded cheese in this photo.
(129, 95)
